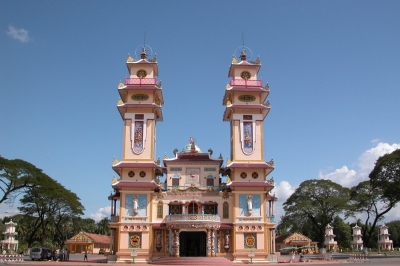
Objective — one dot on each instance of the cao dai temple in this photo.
(192, 213)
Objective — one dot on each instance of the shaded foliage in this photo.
(342, 232)
(394, 230)
(386, 177)
(15, 177)
(49, 203)
(318, 201)
(367, 200)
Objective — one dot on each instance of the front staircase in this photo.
(192, 261)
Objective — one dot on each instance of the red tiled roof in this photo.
(242, 106)
(136, 165)
(162, 225)
(226, 226)
(250, 165)
(250, 184)
(141, 105)
(122, 184)
(269, 196)
(248, 89)
(100, 239)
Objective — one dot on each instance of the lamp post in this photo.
(251, 256)
(133, 254)
(379, 248)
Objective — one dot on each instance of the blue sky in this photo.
(333, 68)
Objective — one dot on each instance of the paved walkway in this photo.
(390, 261)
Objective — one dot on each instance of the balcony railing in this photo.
(246, 82)
(114, 219)
(140, 81)
(190, 188)
(192, 217)
(270, 219)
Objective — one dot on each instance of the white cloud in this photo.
(18, 34)
(101, 213)
(343, 176)
(366, 162)
(282, 191)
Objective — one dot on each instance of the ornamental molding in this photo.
(191, 225)
(174, 193)
(249, 228)
(130, 228)
(208, 162)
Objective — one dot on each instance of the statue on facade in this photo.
(226, 241)
(135, 205)
(158, 240)
(249, 205)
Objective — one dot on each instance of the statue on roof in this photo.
(193, 146)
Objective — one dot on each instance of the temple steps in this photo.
(192, 261)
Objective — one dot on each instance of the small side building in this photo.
(93, 243)
(295, 242)
(384, 243)
(330, 242)
(9, 242)
(357, 242)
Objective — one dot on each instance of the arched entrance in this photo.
(192, 244)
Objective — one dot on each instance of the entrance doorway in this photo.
(192, 244)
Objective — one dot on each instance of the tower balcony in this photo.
(114, 219)
(140, 81)
(246, 82)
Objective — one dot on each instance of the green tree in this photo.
(87, 225)
(386, 177)
(367, 200)
(49, 203)
(15, 177)
(290, 224)
(394, 231)
(342, 232)
(103, 227)
(319, 201)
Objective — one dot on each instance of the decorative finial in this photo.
(243, 55)
(143, 53)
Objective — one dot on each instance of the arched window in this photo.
(210, 181)
(210, 208)
(160, 209)
(175, 209)
(175, 180)
(193, 208)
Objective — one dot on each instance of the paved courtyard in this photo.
(338, 260)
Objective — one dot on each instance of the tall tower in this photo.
(246, 108)
(140, 109)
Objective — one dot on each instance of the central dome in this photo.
(188, 148)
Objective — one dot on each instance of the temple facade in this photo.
(178, 206)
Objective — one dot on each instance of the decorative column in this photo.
(212, 242)
(219, 235)
(208, 243)
(175, 242)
